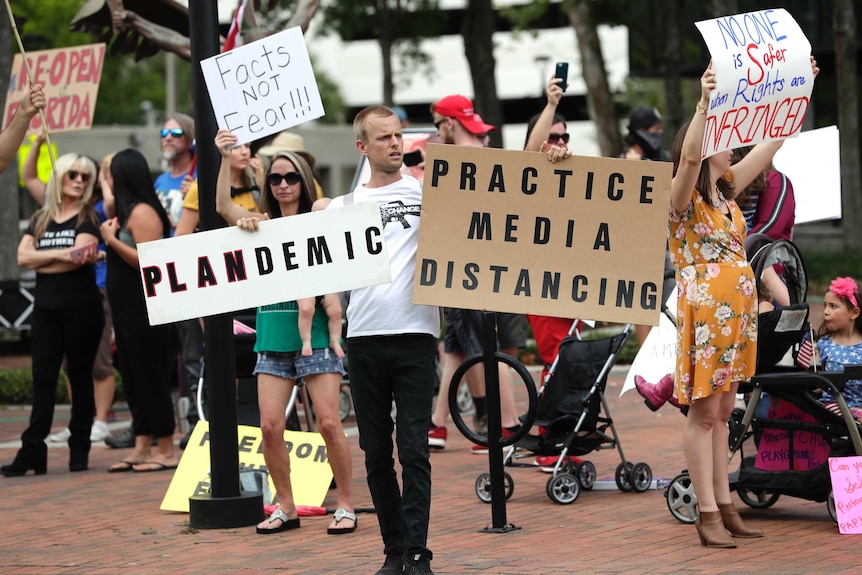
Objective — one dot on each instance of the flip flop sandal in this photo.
(286, 523)
(339, 515)
(123, 466)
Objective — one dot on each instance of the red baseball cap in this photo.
(461, 108)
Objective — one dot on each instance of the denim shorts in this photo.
(293, 365)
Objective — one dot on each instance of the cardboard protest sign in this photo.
(289, 258)
(70, 78)
(846, 475)
(264, 87)
(763, 79)
(310, 478)
(810, 449)
(510, 231)
(812, 163)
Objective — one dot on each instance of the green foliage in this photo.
(16, 387)
(823, 267)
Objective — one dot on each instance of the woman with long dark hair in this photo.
(144, 355)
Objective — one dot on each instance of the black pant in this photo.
(399, 367)
(145, 361)
(74, 332)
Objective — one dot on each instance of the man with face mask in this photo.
(645, 135)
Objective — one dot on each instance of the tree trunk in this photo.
(386, 20)
(845, 30)
(478, 32)
(599, 101)
(675, 115)
(8, 179)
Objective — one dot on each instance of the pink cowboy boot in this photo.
(656, 394)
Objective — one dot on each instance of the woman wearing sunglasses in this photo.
(67, 319)
(144, 354)
(294, 339)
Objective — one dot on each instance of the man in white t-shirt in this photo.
(392, 345)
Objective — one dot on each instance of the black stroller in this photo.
(573, 413)
(794, 434)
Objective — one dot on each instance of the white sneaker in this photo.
(61, 437)
(99, 431)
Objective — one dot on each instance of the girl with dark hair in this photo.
(144, 355)
(293, 343)
(67, 319)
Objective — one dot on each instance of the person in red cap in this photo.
(458, 123)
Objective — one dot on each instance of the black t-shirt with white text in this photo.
(55, 291)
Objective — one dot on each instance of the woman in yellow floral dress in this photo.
(717, 310)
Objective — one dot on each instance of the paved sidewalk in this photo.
(97, 523)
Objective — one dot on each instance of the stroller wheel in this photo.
(681, 500)
(563, 488)
(623, 476)
(830, 507)
(587, 474)
(757, 499)
(641, 477)
(483, 486)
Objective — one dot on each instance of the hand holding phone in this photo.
(79, 255)
(562, 72)
(413, 158)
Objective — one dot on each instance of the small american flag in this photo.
(806, 351)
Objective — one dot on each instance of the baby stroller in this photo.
(573, 413)
(794, 435)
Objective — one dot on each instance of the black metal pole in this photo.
(495, 427)
(225, 506)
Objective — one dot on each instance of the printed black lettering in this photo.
(234, 264)
(428, 272)
(603, 238)
(649, 299)
(303, 451)
(439, 169)
(289, 254)
(372, 243)
(264, 260)
(152, 277)
(542, 231)
(348, 243)
(497, 182)
(206, 276)
(318, 251)
(498, 272)
(176, 286)
(522, 286)
(603, 290)
(320, 456)
(511, 228)
(479, 223)
(625, 293)
(472, 282)
(551, 285)
(646, 189)
(246, 442)
(614, 193)
(528, 186)
(578, 294)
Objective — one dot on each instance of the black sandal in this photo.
(286, 523)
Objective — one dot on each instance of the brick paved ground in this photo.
(97, 523)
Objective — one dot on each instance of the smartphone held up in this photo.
(562, 72)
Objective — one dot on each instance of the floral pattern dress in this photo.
(717, 300)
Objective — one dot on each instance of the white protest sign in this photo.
(657, 356)
(845, 473)
(763, 79)
(812, 163)
(264, 87)
(231, 269)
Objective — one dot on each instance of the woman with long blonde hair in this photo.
(67, 319)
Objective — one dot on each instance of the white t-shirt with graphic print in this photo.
(387, 309)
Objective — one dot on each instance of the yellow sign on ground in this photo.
(310, 473)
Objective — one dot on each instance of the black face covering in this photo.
(650, 142)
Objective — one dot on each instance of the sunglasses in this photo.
(438, 122)
(292, 178)
(175, 132)
(553, 138)
(73, 175)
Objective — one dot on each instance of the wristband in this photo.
(700, 109)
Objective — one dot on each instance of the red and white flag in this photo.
(235, 27)
(806, 351)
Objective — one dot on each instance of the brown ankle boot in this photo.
(711, 530)
(734, 523)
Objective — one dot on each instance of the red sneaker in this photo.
(481, 449)
(437, 436)
(547, 462)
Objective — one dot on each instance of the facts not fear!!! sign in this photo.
(510, 231)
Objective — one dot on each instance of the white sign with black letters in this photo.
(264, 87)
(230, 269)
